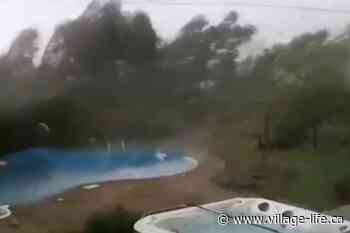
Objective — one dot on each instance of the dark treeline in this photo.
(107, 74)
(284, 122)
(302, 92)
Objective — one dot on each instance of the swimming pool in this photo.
(32, 175)
(204, 219)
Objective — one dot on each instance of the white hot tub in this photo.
(5, 212)
(242, 215)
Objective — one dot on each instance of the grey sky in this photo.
(273, 24)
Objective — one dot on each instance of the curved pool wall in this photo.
(205, 219)
(35, 174)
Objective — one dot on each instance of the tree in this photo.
(24, 47)
(313, 71)
(142, 44)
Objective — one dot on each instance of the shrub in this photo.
(117, 221)
(342, 189)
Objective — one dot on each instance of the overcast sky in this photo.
(273, 24)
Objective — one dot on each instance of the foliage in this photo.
(302, 89)
(117, 81)
(302, 86)
(118, 221)
(342, 189)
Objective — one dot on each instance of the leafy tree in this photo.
(307, 83)
(196, 25)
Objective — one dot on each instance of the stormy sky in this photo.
(274, 24)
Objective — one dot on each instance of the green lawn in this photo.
(318, 172)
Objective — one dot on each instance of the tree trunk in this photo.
(315, 137)
(267, 138)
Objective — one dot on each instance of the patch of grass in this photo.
(318, 175)
(313, 179)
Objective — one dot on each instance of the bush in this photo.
(117, 221)
(342, 189)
